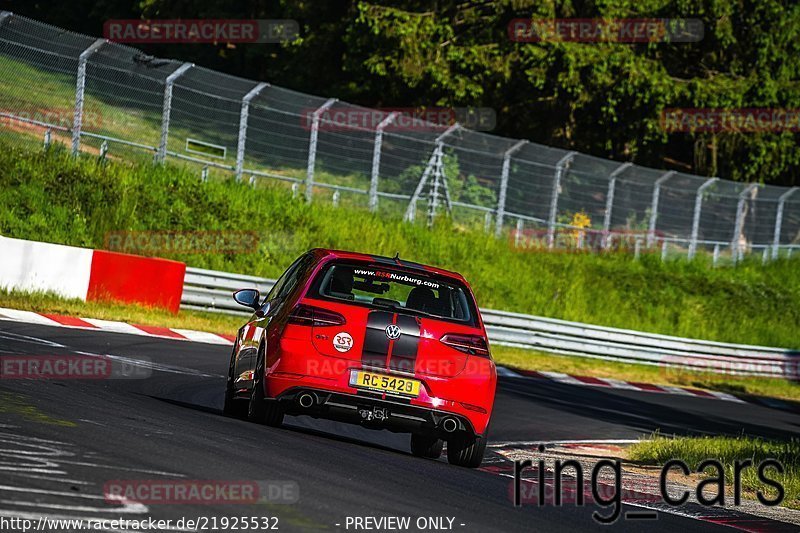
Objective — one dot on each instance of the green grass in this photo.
(511, 357)
(109, 310)
(51, 196)
(727, 450)
(657, 375)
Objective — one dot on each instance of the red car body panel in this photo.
(305, 358)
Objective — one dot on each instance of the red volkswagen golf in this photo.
(370, 340)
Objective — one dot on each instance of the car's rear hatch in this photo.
(391, 317)
(389, 340)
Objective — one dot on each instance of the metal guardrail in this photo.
(209, 290)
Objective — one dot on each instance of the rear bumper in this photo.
(297, 367)
(374, 413)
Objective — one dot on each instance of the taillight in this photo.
(308, 315)
(471, 344)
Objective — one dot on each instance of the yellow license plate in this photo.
(384, 383)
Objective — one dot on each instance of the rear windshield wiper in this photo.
(397, 307)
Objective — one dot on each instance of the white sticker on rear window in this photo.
(342, 341)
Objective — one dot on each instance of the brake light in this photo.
(308, 315)
(471, 344)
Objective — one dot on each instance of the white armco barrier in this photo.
(210, 290)
(40, 266)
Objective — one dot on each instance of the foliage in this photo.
(51, 196)
(601, 98)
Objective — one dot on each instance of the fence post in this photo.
(243, 117)
(776, 238)
(165, 114)
(433, 202)
(698, 205)
(312, 147)
(77, 119)
(376, 160)
(716, 254)
(651, 231)
(501, 201)
(551, 221)
(738, 221)
(518, 233)
(411, 210)
(612, 185)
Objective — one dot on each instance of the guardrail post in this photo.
(612, 185)
(551, 221)
(243, 117)
(501, 201)
(77, 119)
(739, 222)
(376, 160)
(167, 110)
(698, 205)
(651, 231)
(776, 237)
(312, 147)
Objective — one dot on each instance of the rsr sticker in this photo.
(343, 342)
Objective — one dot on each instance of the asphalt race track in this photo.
(62, 441)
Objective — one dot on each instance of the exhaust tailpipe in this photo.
(306, 400)
(449, 424)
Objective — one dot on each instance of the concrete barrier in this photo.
(87, 274)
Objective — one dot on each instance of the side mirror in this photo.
(248, 298)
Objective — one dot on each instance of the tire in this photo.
(232, 407)
(466, 450)
(260, 409)
(426, 446)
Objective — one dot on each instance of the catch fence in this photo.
(112, 100)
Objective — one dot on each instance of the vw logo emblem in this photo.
(393, 331)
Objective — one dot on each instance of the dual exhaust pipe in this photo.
(308, 400)
(449, 424)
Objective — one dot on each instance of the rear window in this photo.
(385, 288)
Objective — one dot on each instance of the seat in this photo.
(422, 299)
(341, 284)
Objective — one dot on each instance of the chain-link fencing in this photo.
(104, 98)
